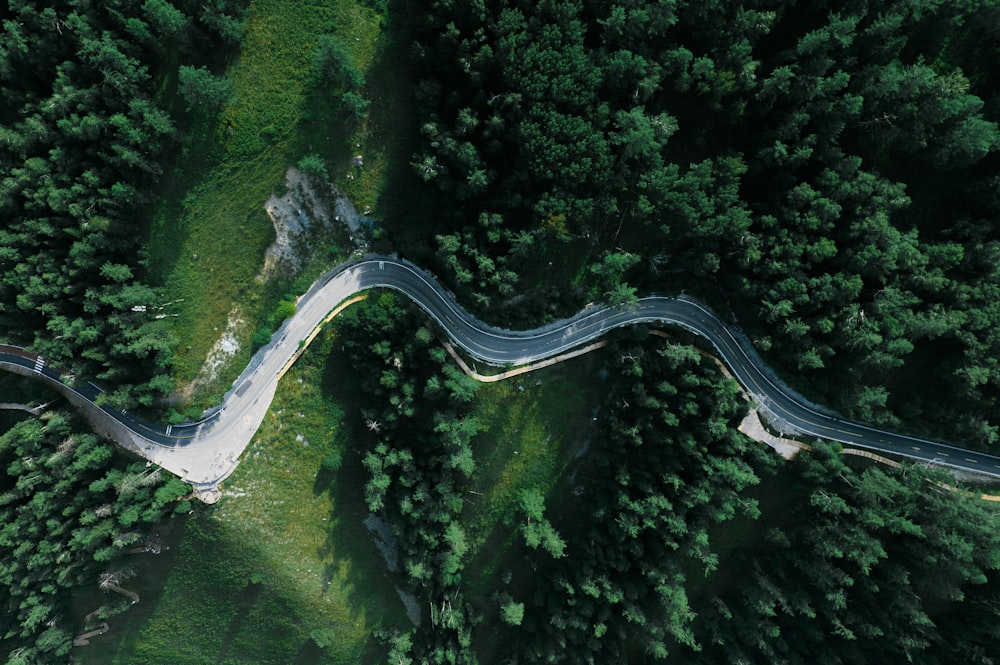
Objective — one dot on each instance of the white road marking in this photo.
(549, 341)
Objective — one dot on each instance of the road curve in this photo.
(206, 452)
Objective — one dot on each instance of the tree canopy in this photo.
(832, 169)
(82, 141)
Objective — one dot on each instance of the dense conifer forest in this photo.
(826, 170)
(83, 141)
(824, 174)
(82, 145)
(676, 538)
(70, 509)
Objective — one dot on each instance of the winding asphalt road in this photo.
(206, 452)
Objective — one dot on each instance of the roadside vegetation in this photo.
(186, 150)
(826, 174)
(84, 137)
(72, 508)
(533, 428)
(281, 570)
(648, 540)
(673, 553)
(210, 232)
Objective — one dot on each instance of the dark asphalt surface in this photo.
(502, 347)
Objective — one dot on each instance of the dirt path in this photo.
(125, 592)
(27, 408)
(83, 639)
(492, 378)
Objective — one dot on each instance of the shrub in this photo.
(261, 337)
(285, 310)
(332, 461)
(315, 166)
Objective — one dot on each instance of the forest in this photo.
(676, 538)
(71, 509)
(825, 175)
(828, 174)
(83, 142)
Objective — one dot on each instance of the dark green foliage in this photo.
(164, 19)
(68, 508)
(667, 466)
(334, 70)
(333, 64)
(332, 461)
(418, 457)
(355, 104)
(315, 166)
(81, 144)
(284, 309)
(609, 274)
(200, 89)
(871, 566)
(261, 337)
(536, 529)
(81, 147)
(833, 168)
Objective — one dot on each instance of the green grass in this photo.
(282, 557)
(529, 439)
(207, 238)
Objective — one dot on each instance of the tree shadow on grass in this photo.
(411, 215)
(244, 600)
(348, 550)
(309, 654)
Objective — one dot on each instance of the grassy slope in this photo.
(530, 439)
(262, 571)
(282, 556)
(208, 238)
(285, 556)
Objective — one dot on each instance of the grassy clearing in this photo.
(530, 437)
(282, 565)
(208, 237)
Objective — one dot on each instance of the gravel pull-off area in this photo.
(752, 427)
